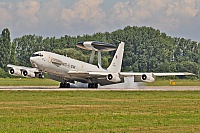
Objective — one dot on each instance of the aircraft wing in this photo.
(24, 71)
(115, 77)
(125, 74)
(21, 67)
(150, 77)
(102, 77)
(173, 74)
(156, 74)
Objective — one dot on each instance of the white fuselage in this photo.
(60, 65)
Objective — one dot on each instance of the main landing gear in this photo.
(67, 85)
(92, 85)
(64, 85)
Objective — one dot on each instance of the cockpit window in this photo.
(36, 54)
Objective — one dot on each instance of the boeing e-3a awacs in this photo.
(67, 70)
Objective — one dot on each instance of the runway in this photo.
(143, 88)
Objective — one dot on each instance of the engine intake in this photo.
(24, 73)
(144, 77)
(149, 77)
(27, 73)
(15, 72)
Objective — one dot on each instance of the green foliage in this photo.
(5, 47)
(146, 49)
(4, 74)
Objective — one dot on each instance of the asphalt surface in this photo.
(141, 88)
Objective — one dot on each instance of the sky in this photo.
(48, 18)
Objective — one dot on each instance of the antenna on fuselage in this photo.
(95, 46)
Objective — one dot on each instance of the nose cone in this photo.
(32, 59)
(37, 59)
(33, 62)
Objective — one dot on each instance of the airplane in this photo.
(67, 70)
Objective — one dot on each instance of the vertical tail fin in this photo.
(116, 63)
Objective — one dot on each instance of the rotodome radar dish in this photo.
(96, 46)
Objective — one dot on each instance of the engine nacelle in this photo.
(148, 77)
(114, 77)
(27, 73)
(15, 72)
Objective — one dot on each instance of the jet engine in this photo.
(114, 77)
(32, 74)
(27, 73)
(148, 77)
(15, 72)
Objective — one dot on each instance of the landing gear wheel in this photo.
(89, 85)
(96, 85)
(67, 85)
(64, 85)
(92, 85)
(41, 76)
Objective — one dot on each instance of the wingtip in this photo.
(187, 73)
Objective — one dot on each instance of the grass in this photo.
(27, 82)
(178, 82)
(100, 111)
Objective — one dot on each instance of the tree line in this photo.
(146, 50)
